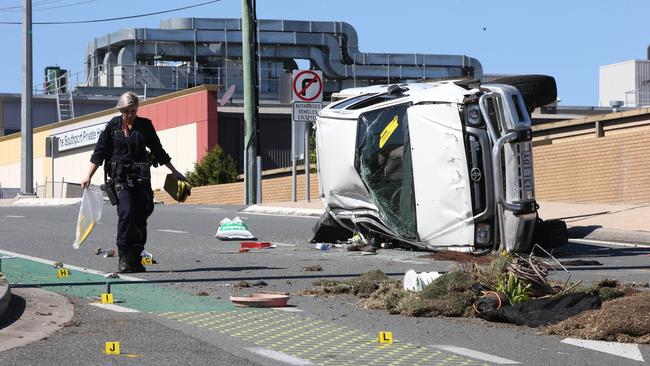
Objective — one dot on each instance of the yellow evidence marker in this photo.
(112, 348)
(388, 131)
(107, 298)
(62, 272)
(385, 337)
(146, 260)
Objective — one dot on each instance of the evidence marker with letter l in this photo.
(385, 337)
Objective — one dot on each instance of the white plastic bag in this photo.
(90, 213)
(416, 282)
(233, 229)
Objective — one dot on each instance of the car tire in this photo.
(536, 90)
(550, 234)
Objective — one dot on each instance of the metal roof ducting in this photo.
(331, 47)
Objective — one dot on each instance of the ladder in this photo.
(64, 103)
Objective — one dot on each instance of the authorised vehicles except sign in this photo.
(305, 111)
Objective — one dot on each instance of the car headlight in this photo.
(473, 115)
(482, 234)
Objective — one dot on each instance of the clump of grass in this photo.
(607, 282)
(368, 282)
(448, 283)
(362, 286)
(490, 275)
(324, 282)
(449, 295)
(314, 268)
(242, 284)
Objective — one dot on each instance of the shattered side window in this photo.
(383, 161)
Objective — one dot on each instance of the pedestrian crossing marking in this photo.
(317, 341)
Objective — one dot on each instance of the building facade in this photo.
(186, 122)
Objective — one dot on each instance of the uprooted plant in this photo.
(452, 294)
(515, 289)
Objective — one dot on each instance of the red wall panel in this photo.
(199, 107)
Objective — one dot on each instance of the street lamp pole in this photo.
(249, 40)
(26, 138)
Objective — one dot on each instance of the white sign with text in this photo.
(305, 111)
(80, 137)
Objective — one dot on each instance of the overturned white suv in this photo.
(440, 165)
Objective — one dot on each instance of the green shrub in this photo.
(216, 167)
(514, 288)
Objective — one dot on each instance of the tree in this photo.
(216, 167)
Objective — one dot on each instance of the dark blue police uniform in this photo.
(127, 164)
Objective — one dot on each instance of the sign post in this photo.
(307, 90)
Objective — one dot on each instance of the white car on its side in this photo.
(439, 165)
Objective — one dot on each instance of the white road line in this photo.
(283, 215)
(289, 310)
(211, 209)
(409, 261)
(113, 307)
(475, 354)
(75, 268)
(284, 244)
(626, 350)
(278, 356)
(14, 216)
(172, 231)
(590, 241)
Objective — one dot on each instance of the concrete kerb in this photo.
(5, 298)
(46, 201)
(292, 211)
(630, 237)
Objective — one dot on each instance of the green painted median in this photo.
(134, 295)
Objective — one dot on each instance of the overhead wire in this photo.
(118, 18)
(45, 5)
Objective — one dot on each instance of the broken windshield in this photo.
(383, 162)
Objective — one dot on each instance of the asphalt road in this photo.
(173, 326)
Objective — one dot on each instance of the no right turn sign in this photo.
(307, 86)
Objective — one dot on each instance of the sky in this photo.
(567, 39)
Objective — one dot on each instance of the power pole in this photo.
(249, 55)
(26, 137)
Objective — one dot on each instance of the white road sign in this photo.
(307, 86)
(80, 137)
(305, 111)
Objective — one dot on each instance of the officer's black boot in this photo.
(124, 265)
(136, 259)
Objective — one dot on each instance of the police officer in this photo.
(123, 147)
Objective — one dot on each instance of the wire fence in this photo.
(638, 98)
(170, 77)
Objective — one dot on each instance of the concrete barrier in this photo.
(5, 298)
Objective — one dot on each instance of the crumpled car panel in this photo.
(442, 192)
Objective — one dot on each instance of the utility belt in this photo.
(132, 172)
(119, 175)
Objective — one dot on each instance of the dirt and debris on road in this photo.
(625, 319)
(451, 295)
(455, 294)
(448, 255)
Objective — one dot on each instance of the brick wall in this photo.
(570, 166)
(614, 168)
(273, 190)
